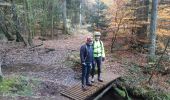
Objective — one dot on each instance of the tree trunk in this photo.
(19, 37)
(1, 75)
(28, 22)
(6, 33)
(146, 18)
(43, 27)
(64, 17)
(80, 13)
(52, 19)
(153, 28)
(4, 28)
(98, 4)
(142, 14)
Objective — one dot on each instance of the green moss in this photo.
(154, 95)
(168, 81)
(148, 93)
(120, 92)
(18, 85)
(134, 68)
(142, 91)
(152, 59)
(168, 96)
(6, 84)
(1, 78)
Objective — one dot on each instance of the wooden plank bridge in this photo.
(76, 92)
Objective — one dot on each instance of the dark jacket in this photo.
(86, 53)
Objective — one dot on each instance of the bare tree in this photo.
(80, 13)
(1, 75)
(19, 37)
(64, 16)
(153, 26)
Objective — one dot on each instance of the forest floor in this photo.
(47, 69)
(137, 70)
(46, 64)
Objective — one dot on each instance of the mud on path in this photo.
(47, 63)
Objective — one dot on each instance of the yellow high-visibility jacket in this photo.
(98, 49)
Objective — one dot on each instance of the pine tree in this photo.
(98, 18)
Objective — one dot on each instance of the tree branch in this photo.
(160, 59)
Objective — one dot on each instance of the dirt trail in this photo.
(48, 64)
(50, 67)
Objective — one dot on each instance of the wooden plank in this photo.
(76, 92)
(72, 95)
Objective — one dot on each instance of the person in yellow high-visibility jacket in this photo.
(99, 56)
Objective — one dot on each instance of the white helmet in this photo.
(97, 34)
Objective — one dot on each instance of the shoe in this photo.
(92, 80)
(84, 88)
(89, 84)
(100, 80)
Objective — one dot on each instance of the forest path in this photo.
(51, 67)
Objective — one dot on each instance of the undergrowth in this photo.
(17, 85)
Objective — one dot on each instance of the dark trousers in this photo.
(98, 61)
(85, 73)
